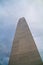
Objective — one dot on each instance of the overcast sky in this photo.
(11, 11)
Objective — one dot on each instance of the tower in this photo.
(24, 50)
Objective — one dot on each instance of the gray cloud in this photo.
(10, 12)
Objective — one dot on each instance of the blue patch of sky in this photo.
(7, 31)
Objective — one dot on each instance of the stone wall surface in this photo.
(24, 50)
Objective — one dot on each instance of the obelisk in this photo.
(24, 50)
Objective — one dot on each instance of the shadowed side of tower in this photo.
(24, 50)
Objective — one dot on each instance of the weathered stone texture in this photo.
(24, 50)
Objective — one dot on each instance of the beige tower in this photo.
(24, 50)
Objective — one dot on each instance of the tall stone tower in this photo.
(24, 50)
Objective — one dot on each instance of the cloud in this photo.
(31, 10)
(10, 12)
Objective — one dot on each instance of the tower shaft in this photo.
(24, 50)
